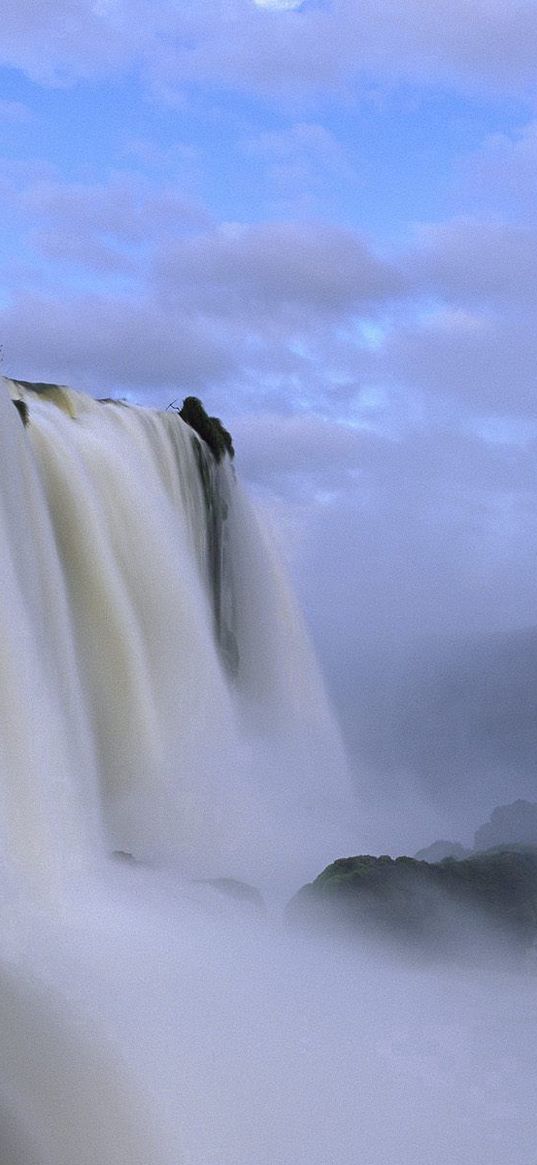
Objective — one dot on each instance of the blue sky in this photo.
(291, 204)
(321, 219)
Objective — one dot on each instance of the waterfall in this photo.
(160, 696)
(160, 704)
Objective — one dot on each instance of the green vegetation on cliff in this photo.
(446, 906)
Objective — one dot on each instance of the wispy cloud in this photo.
(278, 47)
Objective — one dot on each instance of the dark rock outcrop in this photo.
(210, 429)
(59, 394)
(242, 892)
(512, 826)
(509, 824)
(41, 387)
(215, 442)
(22, 409)
(474, 907)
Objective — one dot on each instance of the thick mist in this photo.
(154, 1022)
(146, 1016)
(411, 545)
(439, 733)
(425, 627)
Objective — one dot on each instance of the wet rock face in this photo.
(473, 907)
(22, 409)
(211, 443)
(210, 429)
(41, 387)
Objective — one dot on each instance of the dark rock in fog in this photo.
(210, 429)
(510, 826)
(123, 855)
(240, 891)
(515, 823)
(440, 850)
(469, 908)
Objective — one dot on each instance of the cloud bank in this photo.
(275, 47)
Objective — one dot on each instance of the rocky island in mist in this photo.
(483, 906)
(446, 902)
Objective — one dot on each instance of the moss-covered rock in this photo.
(448, 907)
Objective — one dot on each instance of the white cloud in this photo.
(303, 164)
(279, 5)
(301, 455)
(108, 344)
(235, 44)
(283, 311)
(470, 259)
(281, 270)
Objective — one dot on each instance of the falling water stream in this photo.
(164, 726)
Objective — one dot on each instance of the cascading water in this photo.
(158, 700)
(166, 701)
